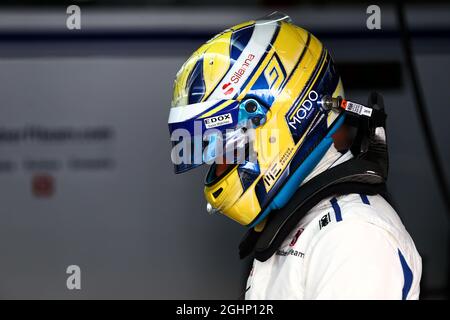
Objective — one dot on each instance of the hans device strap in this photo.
(366, 173)
(353, 176)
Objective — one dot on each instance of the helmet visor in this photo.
(204, 133)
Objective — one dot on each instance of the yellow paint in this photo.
(216, 61)
(273, 141)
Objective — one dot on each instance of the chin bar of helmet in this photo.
(340, 103)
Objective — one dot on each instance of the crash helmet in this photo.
(249, 101)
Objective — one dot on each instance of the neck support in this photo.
(366, 173)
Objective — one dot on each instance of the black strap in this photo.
(366, 173)
(353, 176)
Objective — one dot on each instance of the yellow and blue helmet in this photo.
(257, 88)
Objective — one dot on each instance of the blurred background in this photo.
(85, 171)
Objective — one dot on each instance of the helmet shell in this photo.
(286, 69)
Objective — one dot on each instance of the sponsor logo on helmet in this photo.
(275, 73)
(237, 75)
(218, 121)
(304, 111)
(272, 175)
(225, 86)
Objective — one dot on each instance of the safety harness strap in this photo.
(366, 173)
(282, 221)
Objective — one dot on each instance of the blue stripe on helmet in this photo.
(196, 83)
(288, 190)
(239, 40)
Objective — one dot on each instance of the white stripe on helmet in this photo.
(247, 61)
(183, 113)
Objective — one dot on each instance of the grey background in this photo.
(135, 228)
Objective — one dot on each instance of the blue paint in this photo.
(288, 190)
(337, 209)
(407, 274)
(364, 199)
